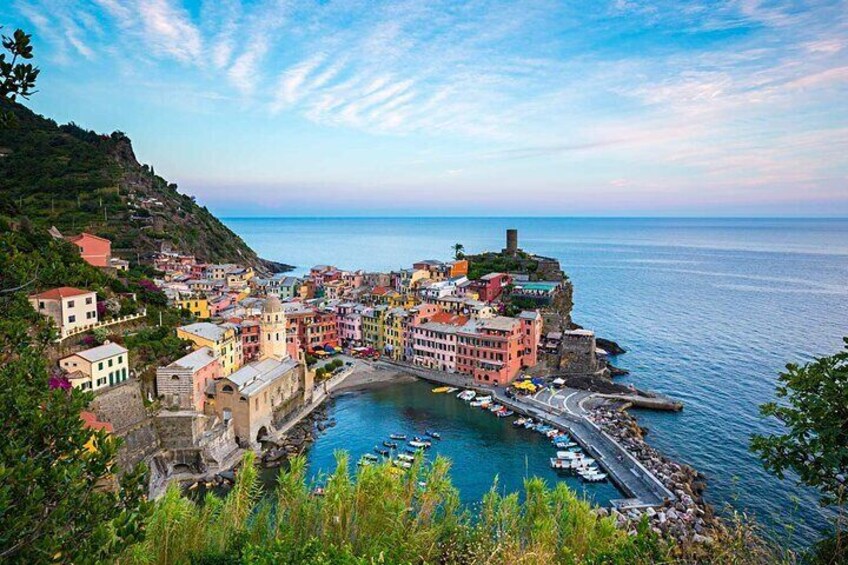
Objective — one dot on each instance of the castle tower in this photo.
(511, 242)
(272, 337)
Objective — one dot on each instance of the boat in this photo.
(529, 423)
(477, 403)
(402, 464)
(495, 407)
(423, 440)
(451, 389)
(595, 477)
(519, 422)
(440, 389)
(568, 455)
(370, 457)
(397, 436)
(364, 462)
(504, 413)
(419, 444)
(390, 444)
(466, 395)
(405, 457)
(552, 433)
(381, 451)
(434, 435)
(412, 450)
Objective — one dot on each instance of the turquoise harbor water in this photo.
(710, 311)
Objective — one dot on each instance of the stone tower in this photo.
(272, 336)
(511, 242)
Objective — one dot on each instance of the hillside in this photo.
(80, 180)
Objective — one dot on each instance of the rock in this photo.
(706, 540)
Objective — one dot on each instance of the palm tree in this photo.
(458, 248)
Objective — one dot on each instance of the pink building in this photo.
(531, 337)
(96, 251)
(349, 322)
(434, 343)
(490, 350)
(489, 287)
(182, 384)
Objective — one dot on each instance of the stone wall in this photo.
(122, 406)
(577, 353)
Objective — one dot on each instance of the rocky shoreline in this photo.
(687, 519)
(299, 438)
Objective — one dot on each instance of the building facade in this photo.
(70, 308)
(97, 368)
(182, 384)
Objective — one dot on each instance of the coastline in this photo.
(368, 377)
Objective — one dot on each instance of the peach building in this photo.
(492, 350)
(94, 250)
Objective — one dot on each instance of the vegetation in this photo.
(813, 407)
(17, 79)
(60, 498)
(384, 516)
(458, 250)
(485, 263)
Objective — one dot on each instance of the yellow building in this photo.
(393, 332)
(373, 326)
(197, 306)
(222, 340)
(98, 367)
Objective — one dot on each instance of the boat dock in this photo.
(564, 409)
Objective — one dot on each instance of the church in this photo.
(266, 390)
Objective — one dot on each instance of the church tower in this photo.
(272, 337)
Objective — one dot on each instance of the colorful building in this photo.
(490, 287)
(96, 251)
(492, 350)
(198, 306)
(98, 367)
(220, 339)
(183, 383)
(373, 326)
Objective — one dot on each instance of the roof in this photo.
(491, 276)
(195, 360)
(272, 305)
(497, 323)
(379, 290)
(253, 377)
(440, 328)
(432, 262)
(530, 315)
(448, 318)
(100, 352)
(91, 422)
(86, 235)
(205, 330)
(61, 292)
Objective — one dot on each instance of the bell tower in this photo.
(272, 336)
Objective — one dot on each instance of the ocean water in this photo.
(710, 310)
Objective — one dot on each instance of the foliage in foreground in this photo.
(383, 516)
(813, 407)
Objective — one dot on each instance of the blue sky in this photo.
(277, 108)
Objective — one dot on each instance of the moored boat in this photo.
(494, 407)
(401, 464)
(382, 451)
(467, 395)
(440, 389)
(519, 422)
(433, 434)
(370, 457)
(390, 444)
(405, 457)
(504, 413)
(451, 389)
(397, 436)
(419, 444)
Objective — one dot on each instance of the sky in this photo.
(352, 108)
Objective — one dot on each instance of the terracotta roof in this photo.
(74, 238)
(92, 423)
(379, 290)
(61, 292)
(448, 318)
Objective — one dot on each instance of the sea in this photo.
(709, 311)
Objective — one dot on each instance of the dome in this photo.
(272, 305)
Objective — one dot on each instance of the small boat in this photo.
(405, 457)
(529, 424)
(495, 407)
(381, 451)
(397, 436)
(423, 440)
(440, 389)
(595, 477)
(553, 433)
(402, 464)
(318, 491)
(434, 435)
(478, 403)
(466, 395)
(370, 457)
(411, 450)
(505, 413)
(519, 422)
(419, 444)
(568, 455)
(390, 444)
(451, 389)
(364, 462)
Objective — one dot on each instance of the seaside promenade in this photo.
(565, 409)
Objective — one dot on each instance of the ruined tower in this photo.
(511, 242)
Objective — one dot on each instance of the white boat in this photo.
(466, 395)
(419, 444)
(596, 478)
(519, 422)
(406, 457)
(451, 389)
(504, 413)
(477, 403)
(568, 455)
(402, 464)
(495, 407)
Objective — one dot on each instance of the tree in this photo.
(458, 250)
(16, 78)
(813, 407)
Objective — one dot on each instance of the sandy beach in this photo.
(366, 376)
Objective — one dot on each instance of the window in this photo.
(175, 377)
(88, 300)
(41, 304)
(110, 362)
(100, 366)
(227, 388)
(70, 303)
(72, 319)
(119, 358)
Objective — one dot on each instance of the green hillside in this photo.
(79, 180)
